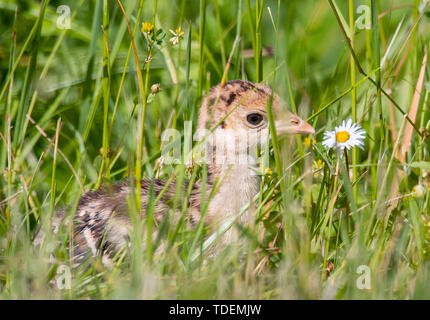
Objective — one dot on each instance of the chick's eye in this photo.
(254, 118)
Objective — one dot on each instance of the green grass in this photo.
(76, 111)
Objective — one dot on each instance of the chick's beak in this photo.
(293, 124)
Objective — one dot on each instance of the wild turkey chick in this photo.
(233, 119)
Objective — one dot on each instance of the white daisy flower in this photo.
(347, 135)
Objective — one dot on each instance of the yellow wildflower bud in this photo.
(307, 142)
(147, 27)
(319, 164)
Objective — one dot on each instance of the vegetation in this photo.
(79, 108)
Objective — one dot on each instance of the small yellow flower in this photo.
(147, 27)
(268, 171)
(177, 36)
(319, 164)
(307, 142)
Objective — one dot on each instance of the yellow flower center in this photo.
(342, 136)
